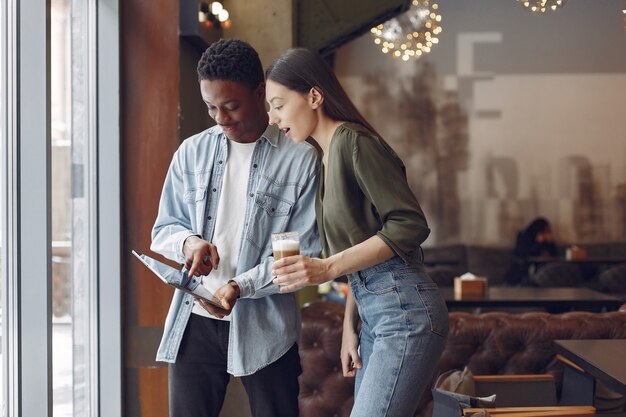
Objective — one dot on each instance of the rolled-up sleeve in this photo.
(173, 223)
(383, 182)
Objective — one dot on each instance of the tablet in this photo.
(172, 276)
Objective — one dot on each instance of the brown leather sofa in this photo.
(488, 343)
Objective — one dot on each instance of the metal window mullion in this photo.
(10, 313)
(109, 207)
(32, 274)
(92, 187)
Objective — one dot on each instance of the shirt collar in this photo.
(271, 134)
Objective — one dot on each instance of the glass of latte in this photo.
(284, 245)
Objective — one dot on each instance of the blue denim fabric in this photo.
(282, 186)
(404, 330)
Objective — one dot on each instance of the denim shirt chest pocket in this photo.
(271, 211)
(195, 195)
(273, 205)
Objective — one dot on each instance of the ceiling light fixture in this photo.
(542, 6)
(213, 14)
(412, 34)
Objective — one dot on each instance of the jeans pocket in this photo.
(435, 308)
(380, 282)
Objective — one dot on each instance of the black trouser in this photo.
(198, 379)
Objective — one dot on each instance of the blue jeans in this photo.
(404, 331)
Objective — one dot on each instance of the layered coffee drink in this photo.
(285, 244)
(285, 248)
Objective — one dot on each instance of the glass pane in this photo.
(3, 141)
(72, 289)
(60, 76)
(82, 222)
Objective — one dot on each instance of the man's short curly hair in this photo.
(232, 60)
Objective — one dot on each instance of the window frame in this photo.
(26, 220)
(109, 209)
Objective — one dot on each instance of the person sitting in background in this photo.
(535, 240)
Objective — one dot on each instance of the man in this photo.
(227, 190)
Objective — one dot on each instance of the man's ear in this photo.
(316, 98)
(259, 92)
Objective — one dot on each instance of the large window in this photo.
(62, 211)
(59, 327)
(2, 211)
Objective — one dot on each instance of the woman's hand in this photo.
(350, 359)
(295, 272)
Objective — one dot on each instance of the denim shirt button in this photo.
(215, 189)
(220, 162)
(254, 165)
(186, 302)
(251, 195)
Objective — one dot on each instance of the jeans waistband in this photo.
(394, 263)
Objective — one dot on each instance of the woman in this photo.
(371, 227)
(535, 240)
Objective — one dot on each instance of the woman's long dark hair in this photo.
(299, 70)
(538, 225)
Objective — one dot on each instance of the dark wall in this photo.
(192, 112)
(149, 108)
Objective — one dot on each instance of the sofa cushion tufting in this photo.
(489, 343)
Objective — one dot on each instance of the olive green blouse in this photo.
(365, 194)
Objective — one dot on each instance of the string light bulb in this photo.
(213, 14)
(412, 34)
(542, 6)
(216, 7)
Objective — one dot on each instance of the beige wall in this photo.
(266, 25)
(511, 116)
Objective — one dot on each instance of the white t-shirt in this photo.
(229, 220)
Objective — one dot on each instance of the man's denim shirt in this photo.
(281, 197)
